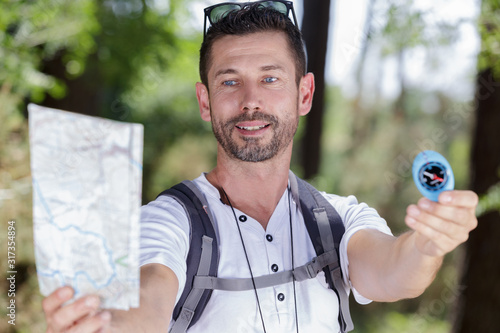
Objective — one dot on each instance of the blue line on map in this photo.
(42, 199)
(78, 229)
(136, 163)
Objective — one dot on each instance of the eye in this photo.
(229, 83)
(270, 79)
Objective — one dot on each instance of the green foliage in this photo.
(152, 82)
(142, 62)
(31, 31)
(489, 29)
(140, 59)
(370, 142)
(490, 201)
(404, 26)
(378, 170)
(395, 322)
(408, 27)
(369, 145)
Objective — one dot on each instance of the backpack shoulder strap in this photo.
(326, 229)
(202, 257)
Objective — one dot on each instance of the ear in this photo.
(203, 101)
(306, 92)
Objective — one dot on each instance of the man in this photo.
(254, 89)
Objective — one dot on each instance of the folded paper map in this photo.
(87, 180)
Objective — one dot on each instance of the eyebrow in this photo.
(272, 68)
(265, 68)
(225, 71)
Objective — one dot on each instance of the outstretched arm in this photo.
(157, 297)
(386, 268)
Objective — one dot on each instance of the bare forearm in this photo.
(158, 290)
(385, 268)
(409, 271)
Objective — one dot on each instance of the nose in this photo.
(251, 99)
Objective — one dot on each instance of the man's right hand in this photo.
(159, 287)
(80, 316)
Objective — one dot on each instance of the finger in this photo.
(95, 323)
(67, 315)
(459, 215)
(52, 302)
(432, 242)
(453, 231)
(467, 199)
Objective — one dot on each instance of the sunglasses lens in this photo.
(278, 6)
(219, 12)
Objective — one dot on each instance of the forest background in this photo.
(136, 61)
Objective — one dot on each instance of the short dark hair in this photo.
(253, 19)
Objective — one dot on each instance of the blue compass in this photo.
(432, 174)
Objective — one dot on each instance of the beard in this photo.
(253, 149)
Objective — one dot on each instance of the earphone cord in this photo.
(248, 261)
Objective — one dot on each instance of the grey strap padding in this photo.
(187, 312)
(328, 244)
(324, 228)
(304, 272)
(202, 199)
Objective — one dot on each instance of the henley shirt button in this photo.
(269, 238)
(243, 218)
(281, 297)
(274, 268)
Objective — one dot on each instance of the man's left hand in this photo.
(441, 226)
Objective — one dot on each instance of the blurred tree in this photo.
(30, 32)
(146, 66)
(132, 33)
(369, 151)
(360, 126)
(404, 28)
(479, 304)
(404, 126)
(315, 30)
(130, 60)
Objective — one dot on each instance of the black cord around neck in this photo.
(293, 262)
(250, 268)
(248, 260)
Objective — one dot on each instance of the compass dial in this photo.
(433, 176)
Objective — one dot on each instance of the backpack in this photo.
(325, 228)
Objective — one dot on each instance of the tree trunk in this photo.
(478, 306)
(315, 31)
(82, 93)
(362, 118)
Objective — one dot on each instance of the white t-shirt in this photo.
(165, 240)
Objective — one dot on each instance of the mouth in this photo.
(253, 125)
(252, 128)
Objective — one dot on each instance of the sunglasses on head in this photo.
(216, 12)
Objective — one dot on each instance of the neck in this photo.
(254, 188)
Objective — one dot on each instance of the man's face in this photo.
(253, 100)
